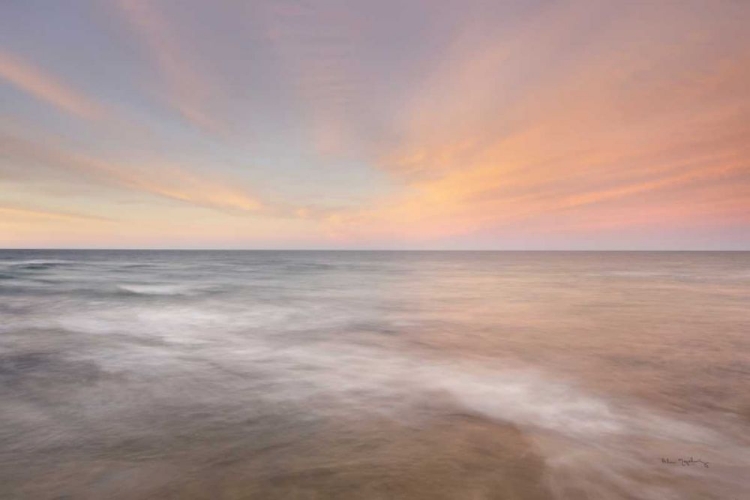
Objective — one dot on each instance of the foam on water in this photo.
(26, 262)
(162, 289)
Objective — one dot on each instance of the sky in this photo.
(389, 124)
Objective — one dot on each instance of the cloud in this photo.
(563, 118)
(41, 85)
(14, 212)
(316, 43)
(187, 89)
(484, 118)
(30, 161)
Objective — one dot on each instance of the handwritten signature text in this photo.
(685, 462)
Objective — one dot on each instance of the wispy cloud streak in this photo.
(36, 82)
(317, 45)
(187, 90)
(33, 161)
(13, 212)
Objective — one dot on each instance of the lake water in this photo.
(207, 375)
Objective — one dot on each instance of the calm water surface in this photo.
(231, 375)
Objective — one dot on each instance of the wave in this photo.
(162, 290)
(37, 264)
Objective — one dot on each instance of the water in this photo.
(192, 375)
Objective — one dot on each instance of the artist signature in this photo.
(684, 461)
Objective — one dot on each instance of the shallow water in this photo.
(133, 375)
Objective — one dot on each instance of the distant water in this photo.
(374, 375)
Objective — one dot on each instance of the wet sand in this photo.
(459, 456)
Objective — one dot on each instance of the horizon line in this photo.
(537, 250)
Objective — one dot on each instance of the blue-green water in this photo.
(139, 375)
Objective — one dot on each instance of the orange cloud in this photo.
(41, 85)
(507, 131)
(187, 90)
(42, 162)
(315, 43)
(15, 212)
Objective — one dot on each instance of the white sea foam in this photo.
(35, 262)
(361, 377)
(526, 398)
(162, 289)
